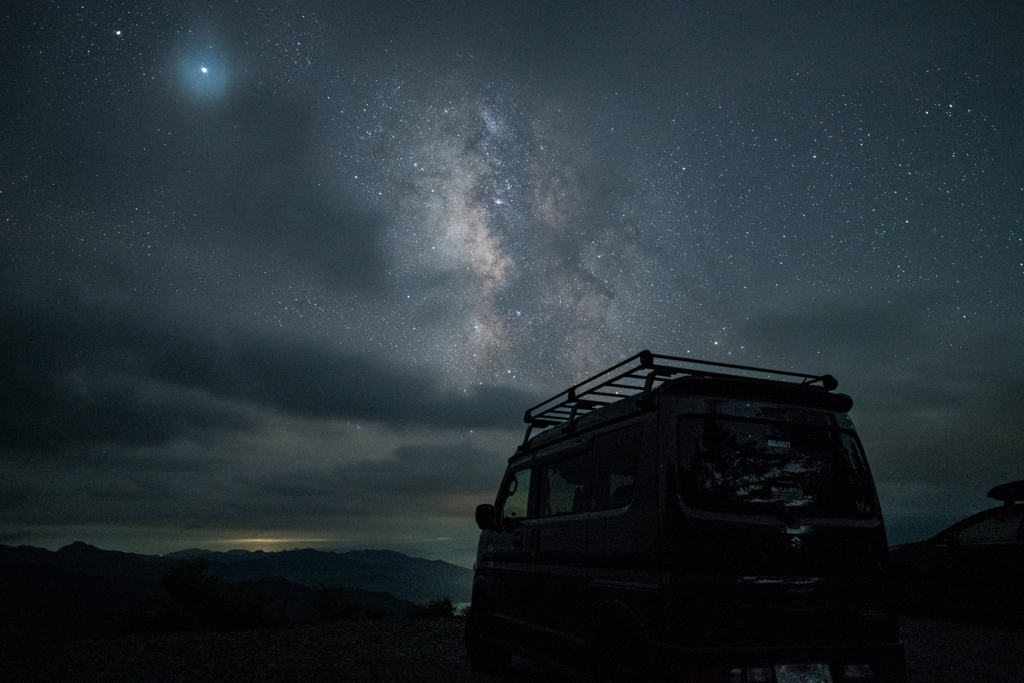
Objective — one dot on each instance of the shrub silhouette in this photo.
(437, 608)
(153, 616)
(333, 604)
(211, 604)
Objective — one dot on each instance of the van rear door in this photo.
(784, 519)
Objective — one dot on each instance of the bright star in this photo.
(204, 76)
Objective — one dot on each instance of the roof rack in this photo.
(642, 373)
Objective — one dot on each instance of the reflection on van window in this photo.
(737, 464)
(563, 487)
(517, 496)
(616, 455)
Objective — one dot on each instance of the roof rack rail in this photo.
(642, 373)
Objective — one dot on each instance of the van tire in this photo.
(484, 655)
(620, 656)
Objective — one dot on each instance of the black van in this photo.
(688, 520)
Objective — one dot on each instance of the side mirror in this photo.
(485, 516)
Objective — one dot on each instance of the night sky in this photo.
(288, 275)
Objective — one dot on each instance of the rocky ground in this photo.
(419, 650)
(941, 651)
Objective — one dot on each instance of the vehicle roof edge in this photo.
(1009, 493)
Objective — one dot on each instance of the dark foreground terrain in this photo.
(419, 650)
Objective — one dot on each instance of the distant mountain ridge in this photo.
(410, 578)
(82, 589)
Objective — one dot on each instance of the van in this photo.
(688, 520)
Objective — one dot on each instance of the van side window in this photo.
(563, 487)
(516, 496)
(615, 459)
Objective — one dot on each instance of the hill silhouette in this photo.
(410, 578)
(84, 590)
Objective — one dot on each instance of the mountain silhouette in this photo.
(83, 590)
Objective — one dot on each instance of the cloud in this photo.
(436, 477)
(80, 372)
(257, 175)
(288, 478)
(936, 397)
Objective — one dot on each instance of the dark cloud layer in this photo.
(82, 373)
(430, 477)
(928, 409)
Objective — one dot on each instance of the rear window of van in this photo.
(747, 465)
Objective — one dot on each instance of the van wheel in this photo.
(484, 655)
(620, 657)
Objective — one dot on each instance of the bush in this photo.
(333, 604)
(437, 608)
(153, 616)
(212, 604)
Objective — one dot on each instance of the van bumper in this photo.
(874, 663)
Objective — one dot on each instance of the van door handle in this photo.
(517, 538)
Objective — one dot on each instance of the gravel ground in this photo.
(415, 650)
(940, 651)
(422, 650)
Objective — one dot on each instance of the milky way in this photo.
(507, 267)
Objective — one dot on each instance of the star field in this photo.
(255, 224)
